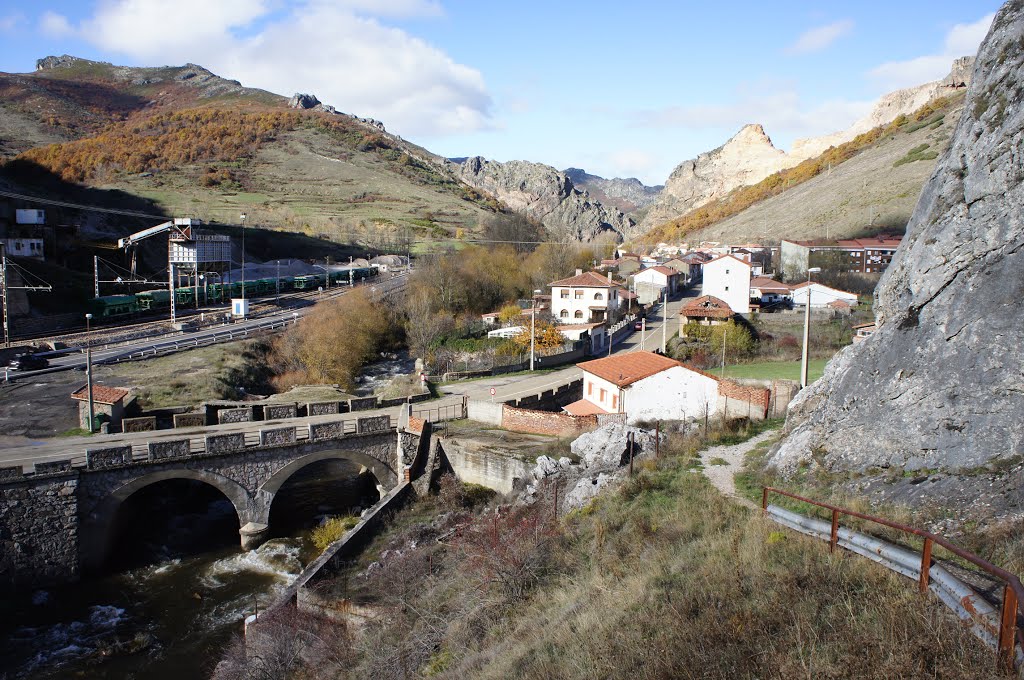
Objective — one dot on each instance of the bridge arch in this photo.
(97, 527)
(386, 478)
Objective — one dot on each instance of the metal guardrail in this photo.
(1006, 633)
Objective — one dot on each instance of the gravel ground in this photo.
(722, 475)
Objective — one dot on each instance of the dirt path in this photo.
(722, 475)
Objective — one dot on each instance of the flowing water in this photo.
(179, 586)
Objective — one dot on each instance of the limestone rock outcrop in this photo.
(628, 195)
(546, 195)
(940, 384)
(745, 159)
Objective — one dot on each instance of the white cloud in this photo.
(820, 37)
(337, 50)
(778, 107)
(961, 40)
(55, 25)
(10, 22)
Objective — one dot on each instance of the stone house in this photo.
(108, 405)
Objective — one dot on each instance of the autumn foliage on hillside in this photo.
(742, 198)
(170, 140)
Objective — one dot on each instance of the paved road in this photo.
(506, 387)
(179, 341)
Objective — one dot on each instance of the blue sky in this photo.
(619, 89)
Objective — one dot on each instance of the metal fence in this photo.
(1001, 629)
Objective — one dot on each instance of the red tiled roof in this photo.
(101, 394)
(584, 280)
(667, 271)
(839, 304)
(708, 306)
(720, 257)
(765, 283)
(626, 369)
(583, 408)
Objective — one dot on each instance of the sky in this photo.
(620, 89)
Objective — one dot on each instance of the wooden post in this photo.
(926, 564)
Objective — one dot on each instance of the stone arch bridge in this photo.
(59, 520)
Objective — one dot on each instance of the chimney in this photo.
(578, 272)
(609, 277)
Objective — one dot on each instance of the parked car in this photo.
(28, 362)
(638, 325)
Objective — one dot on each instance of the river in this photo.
(178, 586)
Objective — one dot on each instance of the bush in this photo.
(332, 529)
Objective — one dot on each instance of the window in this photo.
(578, 294)
(590, 389)
(564, 314)
(727, 289)
(603, 393)
(615, 401)
(565, 294)
(578, 314)
(726, 272)
(598, 296)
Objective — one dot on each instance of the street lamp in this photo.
(242, 217)
(807, 327)
(88, 369)
(533, 326)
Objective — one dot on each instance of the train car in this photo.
(184, 296)
(266, 286)
(309, 282)
(150, 300)
(287, 283)
(113, 307)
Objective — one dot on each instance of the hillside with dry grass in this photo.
(864, 186)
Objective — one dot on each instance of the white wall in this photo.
(728, 279)
(572, 304)
(674, 394)
(822, 295)
(592, 386)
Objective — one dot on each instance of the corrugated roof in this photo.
(585, 280)
(625, 369)
(101, 394)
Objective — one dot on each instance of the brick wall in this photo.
(544, 422)
(757, 397)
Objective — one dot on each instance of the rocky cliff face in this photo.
(546, 195)
(747, 158)
(940, 384)
(628, 195)
(750, 156)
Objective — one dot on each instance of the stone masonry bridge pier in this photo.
(58, 520)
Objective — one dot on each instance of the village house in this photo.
(728, 278)
(648, 386)
(594, 334)
(706, 311)
(769, 293)
(651, 283)
(586, 297)
(820, 294)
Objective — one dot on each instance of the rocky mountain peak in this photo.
(51, 62)
(938, 385)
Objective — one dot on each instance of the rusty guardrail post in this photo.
(926, 564)
(835, 531)
(1007, 629)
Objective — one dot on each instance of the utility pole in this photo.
(664, 323)
(725, 336)
(3, 294)
(279, 283)
(807, 328)
(96, 275)
(88, 372)
(242, 218)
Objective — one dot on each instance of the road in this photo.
(506, 387)
(177, 340)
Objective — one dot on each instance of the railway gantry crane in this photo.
(180, 248)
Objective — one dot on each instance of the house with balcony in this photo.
(586, 297)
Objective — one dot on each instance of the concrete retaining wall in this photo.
(484, 411)
(484, 468)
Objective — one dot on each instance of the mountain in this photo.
(938, 385)
(192, 143)
(628, 195)
(749, 156)
(547, 196)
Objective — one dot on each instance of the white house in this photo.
(728, 279)
(821, 295)
(767, 292)
(24, 247)
(596, 333)
(650, 283)
(648, 386)
(584, 298)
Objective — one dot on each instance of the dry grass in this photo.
(663, 578)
